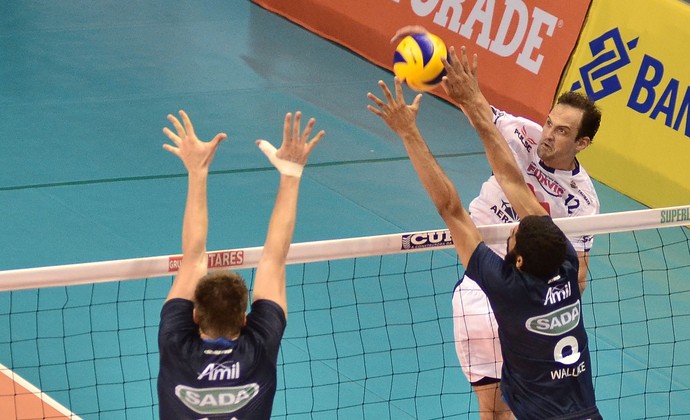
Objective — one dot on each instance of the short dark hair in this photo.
(542, 246)
(591, 115)
(221, 300)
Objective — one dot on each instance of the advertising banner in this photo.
(633, 60)
(523, 45)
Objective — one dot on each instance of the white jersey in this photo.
(562, 193)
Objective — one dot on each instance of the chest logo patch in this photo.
(557, 322)
(219, 400)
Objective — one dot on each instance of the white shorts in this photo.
(476, 332)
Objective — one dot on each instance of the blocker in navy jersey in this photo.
(547, 372)
(219, 379)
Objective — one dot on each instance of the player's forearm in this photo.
(498, 153)
(434, 180)
(195, 222)
(479, 112)
(502, 160)
(282, 223)
(444, 195)
(482, 107)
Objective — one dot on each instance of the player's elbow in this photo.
(450, 207)
(510, 178)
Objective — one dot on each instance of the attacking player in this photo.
(547, 367)
(546, 156)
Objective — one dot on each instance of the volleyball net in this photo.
(370, 329)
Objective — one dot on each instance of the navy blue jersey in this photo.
(222, 378)
(547, 371)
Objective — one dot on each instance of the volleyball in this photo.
(417, 61)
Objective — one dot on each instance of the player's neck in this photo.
(212, 337)
(561, 165)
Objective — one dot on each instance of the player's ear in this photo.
(582, 143)
(195, 316)
(518, 262)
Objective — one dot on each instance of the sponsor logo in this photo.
(675, 215)
(558, 293)
(215, 259)
(527, 142)
(584, 196)
(606, 61)
(553, 279)
(174, 263)
(217, 352)
(548, 184)
(506, 213)
(660, 98)
(426, 239)
(209, 401)
(557, 322)
(225, 258)
(514, 31)
(220, 372)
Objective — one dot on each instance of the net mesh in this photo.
(367, 337)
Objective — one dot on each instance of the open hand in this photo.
(395, 112)
(296, 147)
(460, 81)
(194, 153)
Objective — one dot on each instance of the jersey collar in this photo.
(547, 168)
(221, 341)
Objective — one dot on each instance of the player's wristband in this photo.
(285, 167)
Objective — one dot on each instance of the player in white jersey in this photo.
(563, 193)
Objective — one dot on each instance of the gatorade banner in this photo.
(523, 45)
(635, 65)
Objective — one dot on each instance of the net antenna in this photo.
(305, 252)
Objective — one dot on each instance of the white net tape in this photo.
(239, 258)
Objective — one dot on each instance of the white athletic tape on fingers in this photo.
(285, 167)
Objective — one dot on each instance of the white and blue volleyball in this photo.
(417, 61)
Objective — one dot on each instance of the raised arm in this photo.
(461, 84)
(289, 160)
(196, 156)
(401, 118)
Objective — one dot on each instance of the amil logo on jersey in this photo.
(220, 372)
(651, 94)
(558, 293)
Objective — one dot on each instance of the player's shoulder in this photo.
(520, 132)
(505, 117)
(266, 316)
(582, 186)
(263, 306)
(486, 267)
